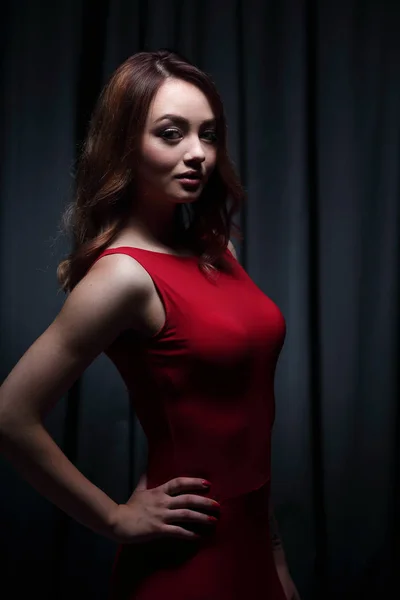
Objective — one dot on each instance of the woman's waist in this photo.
(227, 481)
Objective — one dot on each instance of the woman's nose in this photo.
(195, 151)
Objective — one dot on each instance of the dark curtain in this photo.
(312, 96)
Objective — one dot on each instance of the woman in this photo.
(153, 282)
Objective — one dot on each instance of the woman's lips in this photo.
(191, 183)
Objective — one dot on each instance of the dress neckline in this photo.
(186, 257)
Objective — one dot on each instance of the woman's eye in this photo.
(171, 134)
(168, 133)
(212, 136)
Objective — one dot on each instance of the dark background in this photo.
(312, 96)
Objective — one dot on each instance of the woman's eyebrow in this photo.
(182, 120)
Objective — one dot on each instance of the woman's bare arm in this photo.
(276, 542)
(108, 300)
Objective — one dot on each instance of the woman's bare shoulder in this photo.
(231, 247)
(111, 298)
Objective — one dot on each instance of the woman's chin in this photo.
(186, 198)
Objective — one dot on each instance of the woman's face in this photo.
(185, 140)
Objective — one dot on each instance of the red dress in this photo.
(203, 391)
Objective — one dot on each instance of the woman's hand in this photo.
(152, 514)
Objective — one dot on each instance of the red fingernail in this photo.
(206, 483)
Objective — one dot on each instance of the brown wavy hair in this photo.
(105, 175)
